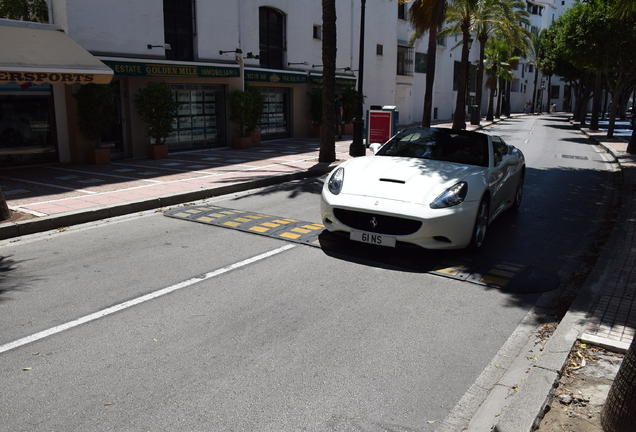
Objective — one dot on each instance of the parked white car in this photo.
(432, 187)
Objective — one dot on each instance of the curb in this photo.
(525, 412)
(47, 223)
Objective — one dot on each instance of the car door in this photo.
(502, 181)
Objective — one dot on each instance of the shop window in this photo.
(200, 118)
(405, 60)
(178, 21)
(26, 134)
(271, 38)
(275, 121)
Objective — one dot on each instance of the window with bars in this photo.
(178, 22)
(271, 38)
(405, 60)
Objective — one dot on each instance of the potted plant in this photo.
(156, 106)
(349, 97)
(96, 108)
(241, 109)
(315, 97)
(255, 108)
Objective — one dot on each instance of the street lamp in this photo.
(357, 147)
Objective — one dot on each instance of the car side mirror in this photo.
(375, 147)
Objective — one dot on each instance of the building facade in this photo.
(204, 50)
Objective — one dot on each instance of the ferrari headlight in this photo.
(451, 197)
(335, 181)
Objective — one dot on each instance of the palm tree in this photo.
(327, 151)
(427, 16)
(501, 18)
(498, 62)
(460, 16)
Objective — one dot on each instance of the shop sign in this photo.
(275, 77)
(340, 81)
(171, 70)
(52, 77)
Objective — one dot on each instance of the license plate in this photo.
(372, 238)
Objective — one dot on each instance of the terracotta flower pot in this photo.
(240, 142)
(98, 156)
(157, 151)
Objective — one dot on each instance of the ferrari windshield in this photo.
(447, 145)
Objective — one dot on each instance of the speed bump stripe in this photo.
(205, 219)
(313, 227)
(181, 215)
(259, 229)
(270, 224)
(232, 224)
(290, 235)
(241, 219)
(503, 273)
(494, 280)
(452, 271)
(300, 230)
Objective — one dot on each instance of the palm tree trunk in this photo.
(491, 102)
(5, 213)
(327, 131)
(459, 118)
(430, 77)
(619, 412)
(631, 147)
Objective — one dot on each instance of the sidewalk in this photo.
(64, 195)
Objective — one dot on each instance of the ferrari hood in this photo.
(402, 179)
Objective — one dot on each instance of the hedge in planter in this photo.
(156, 106)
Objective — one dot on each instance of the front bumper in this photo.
(448, 228)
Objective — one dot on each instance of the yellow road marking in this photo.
(300, 230)
(494, 280)
(259, 229)
(271, 225)
(242, 219)
(232, 224)
(290, 235)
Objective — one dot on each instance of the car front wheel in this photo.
(481, 226)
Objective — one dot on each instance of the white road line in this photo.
(134, 302)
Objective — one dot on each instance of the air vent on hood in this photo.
(392, 180)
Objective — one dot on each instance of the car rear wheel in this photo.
(481, 226)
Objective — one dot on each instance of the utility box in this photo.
(382, 123)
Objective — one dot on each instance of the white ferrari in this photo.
(432, 187)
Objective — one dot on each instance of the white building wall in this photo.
(125, 28)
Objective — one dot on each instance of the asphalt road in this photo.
(152, 323)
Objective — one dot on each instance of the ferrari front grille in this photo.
(376, 223)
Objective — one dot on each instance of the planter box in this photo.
(157, 151)
(256, 137)
(99, 156)
(242, 142)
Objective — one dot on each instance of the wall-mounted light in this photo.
(300, 63)
(316, 66)
(237, 51)
(164, 46)
(252, 56)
